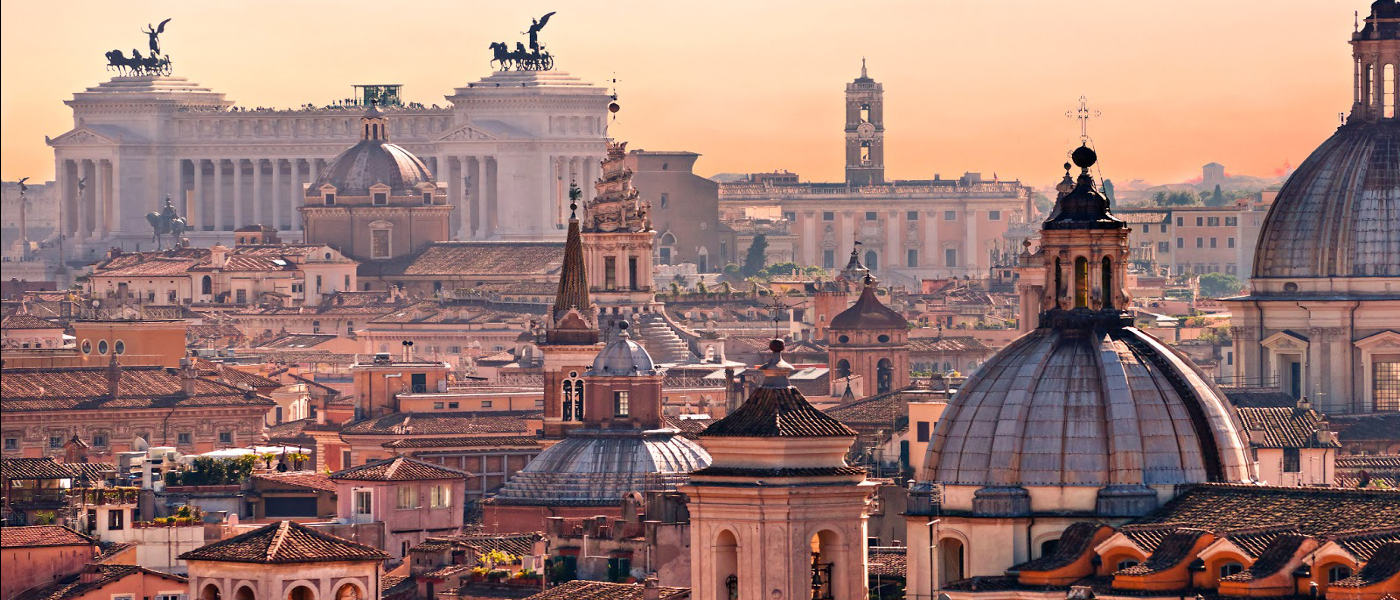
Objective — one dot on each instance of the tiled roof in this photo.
(27, 322)
(888, 561)
(1384, 428)
(1148, 535)
(1317, 511)
(868, 313)
(597, 590)
(1375, 462)
(1260, 398)
(885, 409)
(310, 480)
(487, 441)
(233, 376)
(474, 258)
(689, 427)
(779, 471)
(444, 423)
(956, 343)
(777, 412)
(1254, 540)
(85, 388)
(35, 536)
(298, 341)
(35, 468)
(1173, 549)
(1274, 557)
(1283, 427)
(290, 430)
(399, 468)
(1363, 544)
(91, 473)
(519, 544)
(1075, 540)
(74, 586)
(1383, 566)
(285, 542)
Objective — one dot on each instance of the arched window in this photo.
(1370, 85)
(1125, 563)
(566, 407)
(1230, 568)
(843, 369)
(301, 592)
(206, 285)
(348, 591)
(578, 399)
(1337, 573)
(824, 549)
(951, 555)
(1107, 282)
(727, 563)
(1059, 282)
(210, 592)
(1388, 92)
(872, 260)
(865, 152)
(884, 376)
(1081, 282)
(1048, 547)
(244, 593)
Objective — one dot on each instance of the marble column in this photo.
(490, 196)
(473, 200)
(935, 257)
(275, 208)
(452, 176)
(104, 198)
(257, 192)
(201, 217)
(220, 204)
(238, 200)
(87, 208)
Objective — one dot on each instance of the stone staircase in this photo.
(661, 341)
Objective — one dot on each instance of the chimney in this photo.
(91, 573)
(1304, 405)
(218, 256)
(651, 588)
(114, 377)
(187, 376)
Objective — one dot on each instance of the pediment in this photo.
(1383, 341)
(1285, 340)
(81, 136)
(465, 133)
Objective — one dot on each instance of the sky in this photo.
(970, 85)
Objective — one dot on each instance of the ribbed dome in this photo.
(596, 468)
(1076, 407)
(1338, 215)
(622, 356)
(370, 162)
(868, 313)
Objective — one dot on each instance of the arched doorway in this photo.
(210, 592)
(349, 591)
(843, 369)
(872, 260)
(1081, 282)
(884, 376)
(950, 559)
(244, 593)
(301, 592)
(825, 575)
(727, 564)
(1107, 282)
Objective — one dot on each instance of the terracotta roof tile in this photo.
(1074, 542)
(285, 542)
(474, 258)
(1274, 557)
(519, 544)
(399, 468)
(889, 561)
(444, 423)
(27, 322)
(1283, 427)
(74, 586)
(1316, 511)
(777, 412)
(310, 480)
(35, 468)
(1173, 549)
(868, 313)
(952, 343)
(35, 536)
(1368, 428)
(86, 388)
(597, 590)
(1383, 566)
(1363, 544)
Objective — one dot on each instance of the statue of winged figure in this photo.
(534, 32)
(154, 34)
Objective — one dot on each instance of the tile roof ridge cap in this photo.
(1350, 534)
(277, 538)
(393, 467)
(1268, 528)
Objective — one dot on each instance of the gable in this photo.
(465, 133)
(82, 136)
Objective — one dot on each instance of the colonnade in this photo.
(223, 194)
(90, 204)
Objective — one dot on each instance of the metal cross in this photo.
(1083, 113)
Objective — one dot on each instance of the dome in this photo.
(371, 161)
(1338, 215)
(596, 468)
(868, 313)
(622, 356)
(1109, 408)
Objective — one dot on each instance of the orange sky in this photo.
(757, 85)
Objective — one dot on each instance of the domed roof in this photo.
(374, 160)
(622, 356)
(596, 468)
(868, 313)
(1338, 215)
(1086, 407)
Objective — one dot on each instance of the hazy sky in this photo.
(970, 85)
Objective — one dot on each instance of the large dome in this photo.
(370, 162)
(1338, 215)
(596, 468)
(1076, 407)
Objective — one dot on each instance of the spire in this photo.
(1082, 206)
(573, 279)
(862, 69)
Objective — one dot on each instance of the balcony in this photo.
(37, 499)
(107, 496)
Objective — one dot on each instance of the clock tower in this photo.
(865, 131)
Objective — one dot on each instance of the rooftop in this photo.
(399, 468)
(37, 536)
(285, 542)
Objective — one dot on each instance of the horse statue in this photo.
(166, 222)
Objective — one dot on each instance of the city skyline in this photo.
(1170, 102)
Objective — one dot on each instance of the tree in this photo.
(1217, 198)
(1108, 192)
(756, 257)
(1218, 285)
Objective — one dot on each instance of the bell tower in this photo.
(865, 130)
(1376, 53)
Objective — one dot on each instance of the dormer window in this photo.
(330, 198)
(427, 198)
(381, 198)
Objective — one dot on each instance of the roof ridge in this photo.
(277, 538)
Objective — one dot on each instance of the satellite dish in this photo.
(140, 444)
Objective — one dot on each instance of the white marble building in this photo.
(506, 148)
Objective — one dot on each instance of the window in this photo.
(865, 112)
(1213, 221)
(1337, 573)
(993, 215)
(1123, 564)
(950, 257)
(381, 198)
(225, 437)
(922, 431)
(828, 216)
(407, 496)
(1232, 221)
(1229, 242)
(1200, 242)
(379, 243)
(1292, 461)
(330, 198)
(99, 440)
(114, 519)
(912, 215)
(102, 347)
(427, 197)
(350, 328)
(620, 403)
(240, 296)
(1230, 568)
(484, 404)
(347, 282)
(950, 215)
(865, 152)
(439, 405)
(1180, 242)
(170, 597)
(1178, 221)
(55, 441)
(441, 496)
(870, 215)
(12, 443)
(119, 347)
(665, 200)
(364, 502)
(829, 259)
(911, 260)
(610, 272)
(1212, 242)
(1385, 383)
(315, 327)
(87, 347)
(1199, 221)
(1164, 247)
(184, 438)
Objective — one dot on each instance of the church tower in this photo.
(871, 341)
(865, 131)
(778, 514)
(617, 242)
(570, 337)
